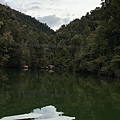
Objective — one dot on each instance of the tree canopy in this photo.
(90, 44)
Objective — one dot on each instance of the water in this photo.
(81, 96)
(45, 113)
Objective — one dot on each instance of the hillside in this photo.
(90, 44)
(21, 37)
(9, 13)
(32, 22)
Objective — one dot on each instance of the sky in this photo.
(53, 12)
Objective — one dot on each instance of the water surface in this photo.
(81, 96)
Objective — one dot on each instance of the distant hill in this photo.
(34, 24)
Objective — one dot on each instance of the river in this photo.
(84, 97)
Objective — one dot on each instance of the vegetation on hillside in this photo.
(90, 44)
(22, 39)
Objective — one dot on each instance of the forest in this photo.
(90, 44)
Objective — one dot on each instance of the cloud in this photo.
(53, 12)
(53, 21)
(34, 8)
(36, 3)
(31, 4)
(2, 2)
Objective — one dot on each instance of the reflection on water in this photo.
(45, 113)
(84, 97)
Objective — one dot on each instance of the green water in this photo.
(81, 96)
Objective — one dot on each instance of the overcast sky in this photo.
(53, 12)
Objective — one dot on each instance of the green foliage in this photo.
(23, 39)
(90, 44)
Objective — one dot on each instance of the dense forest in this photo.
(22, 39)
(89, 44)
